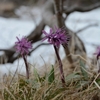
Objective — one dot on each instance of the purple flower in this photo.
(97, 52)
(23, 46)
(56, 37)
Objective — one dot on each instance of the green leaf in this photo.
(51, 75)
(83, 70)
(74, 75)
(98, 81)
(37, 75)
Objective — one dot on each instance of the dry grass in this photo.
(80, 85)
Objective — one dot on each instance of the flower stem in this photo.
(27, 68)
(60, 66)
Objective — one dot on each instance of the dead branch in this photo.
(86, 27)
(36, 34)
(8, 56)
(49, 18)
(58, 10)
(78, 46)
(80, 8)
(18, 55)
(42, 44)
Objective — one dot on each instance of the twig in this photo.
(58, 13)
(81, 9)
(95, 45)
(61, 24)
(94, 79)
(42, 44)
(86, 27)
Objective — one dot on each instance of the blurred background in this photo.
(81, 18)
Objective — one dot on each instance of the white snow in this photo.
(91, 35)
(10, 28)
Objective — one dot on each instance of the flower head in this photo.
(23, 46)
(97, 52)
(56, 37)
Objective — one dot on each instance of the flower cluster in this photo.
(56, 37)
(23, 46)
(97, 52)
